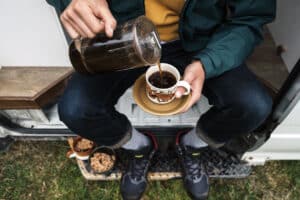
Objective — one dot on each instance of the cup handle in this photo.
(71, 154)
(186, 86)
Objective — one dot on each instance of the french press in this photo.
(135, 43)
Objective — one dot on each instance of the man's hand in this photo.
(85, 18)
(194, 74)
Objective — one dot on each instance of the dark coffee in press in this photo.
(135, 43)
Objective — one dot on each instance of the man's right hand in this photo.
(85, 18)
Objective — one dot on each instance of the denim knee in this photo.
(69, 113)
(254, 107)
(76, 113)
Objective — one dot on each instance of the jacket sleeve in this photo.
(236, 38)
(59, 5)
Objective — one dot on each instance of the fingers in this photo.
(195, 76)
(87, 18)
(69, 28)
(103, 12)
(71, 22)
(188, 77)
(179, 92)
(72, 29)
(80, 24)
(196, 88)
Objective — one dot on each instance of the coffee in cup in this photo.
(162, 80)
(161, 87)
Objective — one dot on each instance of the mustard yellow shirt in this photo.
(165, 15)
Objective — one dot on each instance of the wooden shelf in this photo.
(31, 87)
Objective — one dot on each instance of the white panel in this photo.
(284, 141)
(286, 30)
(31, 35)
(292, 120)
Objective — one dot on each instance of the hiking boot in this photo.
(194, 174)
(134, 179)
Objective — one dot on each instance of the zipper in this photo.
(181, 18)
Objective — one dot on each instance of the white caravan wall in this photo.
(31, 35)
(286, 30)
(284, 141)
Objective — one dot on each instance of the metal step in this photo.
(48, 118)
(165, 166)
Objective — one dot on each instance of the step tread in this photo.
(165, 166)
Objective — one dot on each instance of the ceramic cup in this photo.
(165, 95)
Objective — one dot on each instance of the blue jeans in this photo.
(240, 102)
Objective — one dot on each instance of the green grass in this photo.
(40, 170)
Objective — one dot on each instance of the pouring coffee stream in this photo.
(134, 44)
(160, 72)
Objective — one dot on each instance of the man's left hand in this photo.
(194, 74)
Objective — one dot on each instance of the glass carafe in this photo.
(135, 43)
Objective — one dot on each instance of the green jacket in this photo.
(220, 33)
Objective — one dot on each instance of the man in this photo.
(208, 41)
